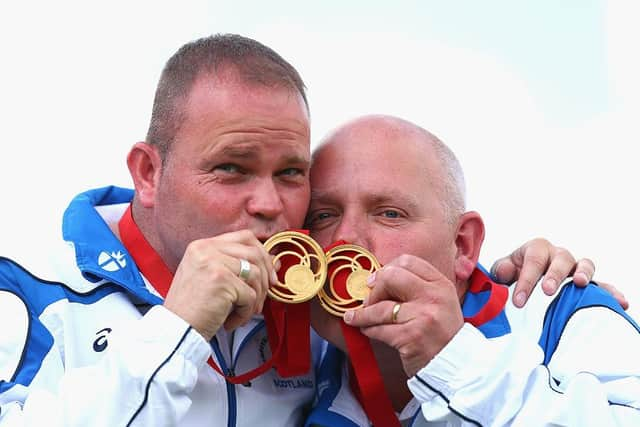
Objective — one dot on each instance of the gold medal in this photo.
(349, 266)
(303, 266)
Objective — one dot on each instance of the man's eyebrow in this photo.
(297, 159)
(321, 195)
(406, 200)
(252, 152)
(242, 151)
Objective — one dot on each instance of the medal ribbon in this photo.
(368, 386)
(156, 271)
(498, 296)
(295, 356)
(366, 381)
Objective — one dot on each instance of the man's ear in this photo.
(145, 165)
(469, 237)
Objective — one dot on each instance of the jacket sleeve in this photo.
(144, 378)
(593, 378)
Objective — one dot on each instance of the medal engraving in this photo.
(357, 284)
(303, 266)
(298, 278)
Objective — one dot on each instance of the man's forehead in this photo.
(373, 196)
(231, 107)
(372, 159)
(227, 77)
(291, 151)
(360, 140)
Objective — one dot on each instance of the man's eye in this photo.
(316, 218)
(291, 172)
(228, 168)
(391, 214)
(322, 215)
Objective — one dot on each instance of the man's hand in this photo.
(615, 292)
(428, 317)
(206, 290)
(537, 258)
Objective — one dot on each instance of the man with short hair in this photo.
(450, 347)
(153, 291)
(148, 285)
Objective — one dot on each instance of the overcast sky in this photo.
(540, 100)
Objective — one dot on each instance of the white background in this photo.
(539, 99)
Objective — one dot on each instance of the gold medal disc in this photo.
(359, 263)
(305, 263)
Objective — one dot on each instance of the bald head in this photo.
(399, 145)
(380, 126)
(394, 188)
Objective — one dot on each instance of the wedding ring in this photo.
(394, 313)
(245, 270)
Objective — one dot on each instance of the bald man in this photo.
(451, 348)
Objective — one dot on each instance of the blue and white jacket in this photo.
(85, 341)
(572, 360)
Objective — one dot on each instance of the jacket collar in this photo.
(100, 256)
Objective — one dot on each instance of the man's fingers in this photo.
(403, 279)
(615, 292)
(534, 266)
(539, 258)
(261, 258)
(259, 277)
(504, 271)
(255, 278)
(563, 265)
(244, 307)
(376, 314)
(258, 281)
(247, 238)
(391, 283)
(584, 271)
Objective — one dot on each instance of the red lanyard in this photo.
(156, 271)
(498, 296)
(365, 377)
(366, 381)
(295, 357)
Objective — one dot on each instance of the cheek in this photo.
(389, 246)
(172, 200)
(180, 188)
(207, 208)
(296, 203)
(221, 204)
(323, 237)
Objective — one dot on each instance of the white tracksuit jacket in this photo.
(85, 342)
(570, 360)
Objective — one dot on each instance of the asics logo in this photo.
(101, 342)
(112, 261)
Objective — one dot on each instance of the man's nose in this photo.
(265, 202)
(351, 229)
